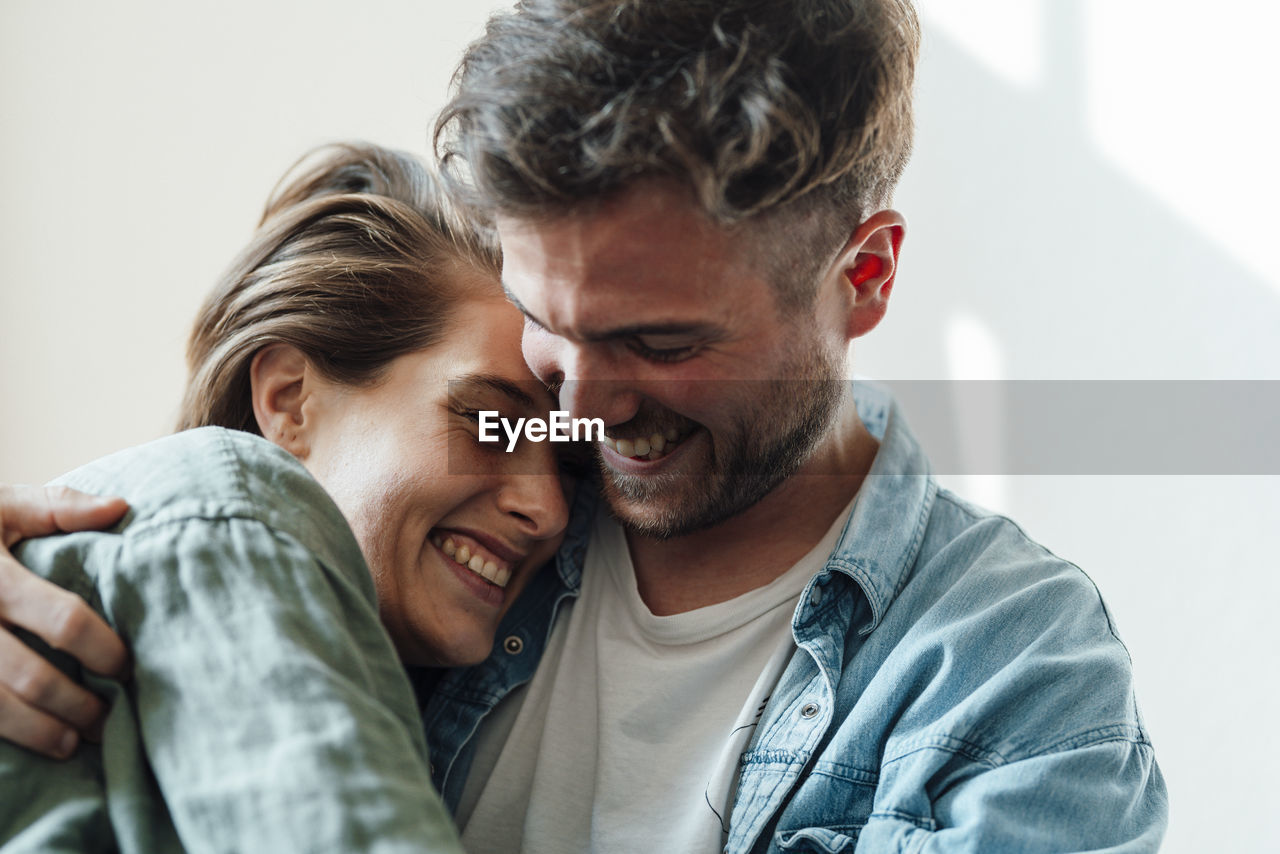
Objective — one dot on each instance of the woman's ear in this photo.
(281, 380)
(867, 267)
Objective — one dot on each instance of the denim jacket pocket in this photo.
(819, 840)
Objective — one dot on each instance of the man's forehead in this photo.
(644, 213)
(654, 283)
(635, 242)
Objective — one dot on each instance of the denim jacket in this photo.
(956, 687)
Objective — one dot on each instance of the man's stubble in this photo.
(778, 426)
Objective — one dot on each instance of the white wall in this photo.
(1092, 197)
(141, 139)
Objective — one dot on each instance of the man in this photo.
(782, 636)
(792, 639)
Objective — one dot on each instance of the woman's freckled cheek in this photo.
(382, 481)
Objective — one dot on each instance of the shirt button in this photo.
(810, 710)
(513, 645)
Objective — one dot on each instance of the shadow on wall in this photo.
(1075, 270)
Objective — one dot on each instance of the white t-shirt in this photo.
(628, 736)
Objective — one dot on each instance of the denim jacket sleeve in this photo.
(267, 709)
(1034, 743)
(1091, 797)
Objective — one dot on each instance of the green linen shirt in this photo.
(267, 710)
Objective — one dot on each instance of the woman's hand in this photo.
(40, 707)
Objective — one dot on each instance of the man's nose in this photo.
(586, 376)
(542, 354)
(612, 400)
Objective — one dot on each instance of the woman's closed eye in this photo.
(481, 423)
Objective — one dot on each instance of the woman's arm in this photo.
(271, 704)
(267, 710)
(40, 707)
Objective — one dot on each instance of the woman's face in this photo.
(403, 463)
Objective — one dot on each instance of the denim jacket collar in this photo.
(841, 605)
(883, 533)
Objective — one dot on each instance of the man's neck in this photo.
(758, 545)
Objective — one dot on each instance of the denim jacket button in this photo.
(810, 710)
(815, 596)
(513, 645)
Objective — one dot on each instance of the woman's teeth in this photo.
(470, 556)
(654, 447)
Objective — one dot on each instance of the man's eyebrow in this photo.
(491, 382)
(706, 330)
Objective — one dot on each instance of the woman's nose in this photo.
(536, 501)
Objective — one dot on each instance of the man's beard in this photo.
(767, 443)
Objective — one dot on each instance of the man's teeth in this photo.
(655, 447)
(470, 557)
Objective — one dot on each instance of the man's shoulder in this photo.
(968, 549)
(1009, 649)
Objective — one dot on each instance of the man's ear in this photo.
(867, 266)
(281, 380)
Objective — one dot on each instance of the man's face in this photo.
(664, 325)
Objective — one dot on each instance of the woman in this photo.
(360, 333)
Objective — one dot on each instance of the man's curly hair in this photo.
(758, 106)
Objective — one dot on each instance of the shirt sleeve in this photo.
(273, 710)
(1031, 740)
(1104, 794)
(49, 807)
(267, 709)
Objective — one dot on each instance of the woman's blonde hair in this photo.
(359, 258)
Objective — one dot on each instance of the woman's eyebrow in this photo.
(473, 383)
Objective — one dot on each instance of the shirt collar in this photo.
(882, 536)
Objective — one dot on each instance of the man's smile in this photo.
(654, 446)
